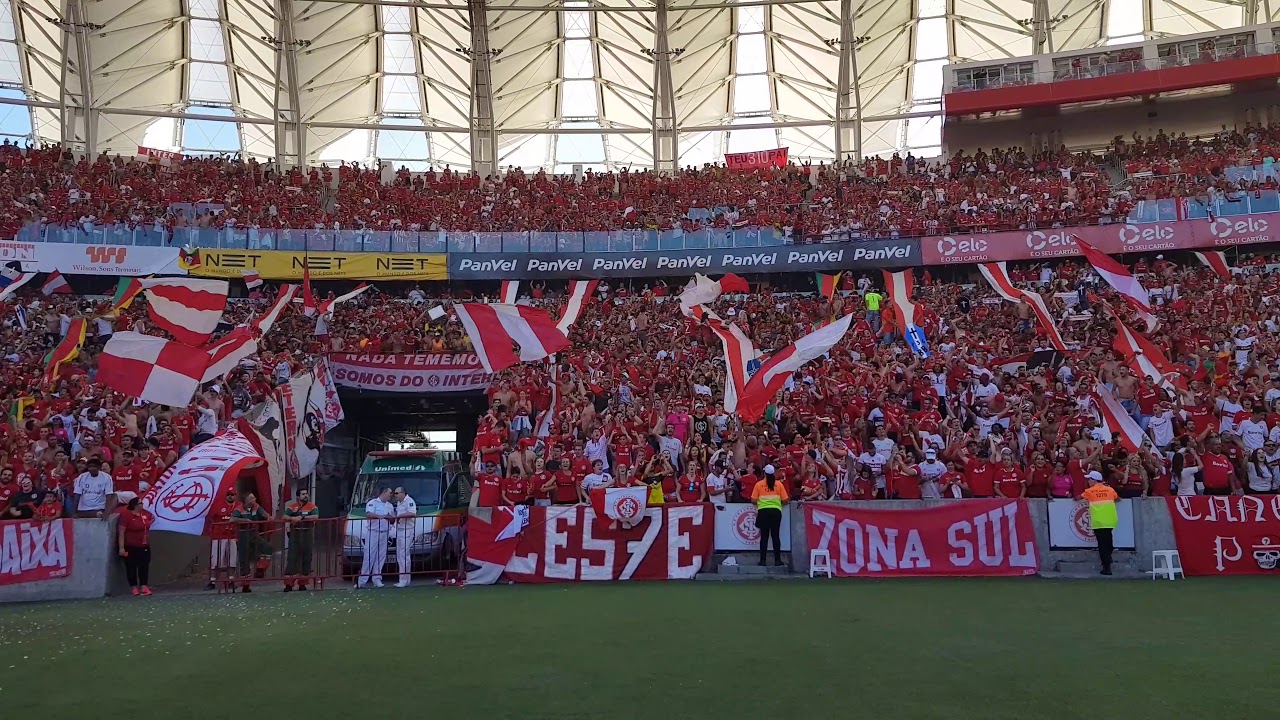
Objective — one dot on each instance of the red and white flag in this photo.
(225, 354)
(549, 415)
(626, 505)
(56, 284)
(998, 276)
(702, 290)
(251, 278)
(264, 323)
(183, 497)
(494, 328)
(580, 292)
(326, 307)
(901, 286)
(1144, 357)
(510, 292)
(773, 374)
(738, 352)
(187, 308)
(12, 282)
(1121, 281)
(308, 298)
(1116, 420)
(152, 369)
(1217, 261)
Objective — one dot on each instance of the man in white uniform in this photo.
(378, 513)
(406, 520)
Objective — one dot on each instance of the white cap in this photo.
(769, 470)
(1094, 475)
(931, 453)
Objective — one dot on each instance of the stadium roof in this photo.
(571, 82)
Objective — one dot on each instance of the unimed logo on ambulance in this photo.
(31, 550)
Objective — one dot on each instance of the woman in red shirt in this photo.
(133, 536)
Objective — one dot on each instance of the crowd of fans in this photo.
(986, 190)
(641, 392)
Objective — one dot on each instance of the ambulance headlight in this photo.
(353, 541)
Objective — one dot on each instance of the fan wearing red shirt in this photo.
(489, 486)
(1218, 470)
(1039, 478)
(539, 482)
(979, 474)
(566, 490)
(127, 474)
(515, 489)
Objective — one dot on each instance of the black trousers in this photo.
(1105, 546)
(137, 565)
(769, 523)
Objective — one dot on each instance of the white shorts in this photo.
(222, 554)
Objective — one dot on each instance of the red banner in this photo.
(962, 538)
(571, 544)
(1238, 535)
(162, 157)
(1110, 239)
(33, 550)
(423, 372)
(757, 159)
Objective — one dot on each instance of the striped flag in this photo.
(20, 312)
(1116, 420)
(495, 328)
(510, 292)
(268, 319)
(10, 283)
(56, 284)
(739, 351)
(187, 308)
(580, 292)
(326, 307)
(548, 417)
(20, 406)
(997, 274)
(702, 290)
(308, 298)
(251, 278)
(1144, 357)
(1121, 281)
(126, 290)
(827, 284)
(773, 374)
(1217, 262)
(66, 350)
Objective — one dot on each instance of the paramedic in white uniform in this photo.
(406, 519)
(377, 527)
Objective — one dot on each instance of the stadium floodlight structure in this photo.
(492, 83)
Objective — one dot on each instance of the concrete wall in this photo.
(96, 570)
(1152, 529)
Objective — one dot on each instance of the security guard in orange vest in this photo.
(769, 495)
(300, 517)
(1102, 516)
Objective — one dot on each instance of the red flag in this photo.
(56, 284)
(1217, 261)
(187, 308)
(998, 276)
(494, 329)
(580, 292)
(1121, 281)
(308, 299)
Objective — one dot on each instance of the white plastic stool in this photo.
(1170, 568)
(819, 562)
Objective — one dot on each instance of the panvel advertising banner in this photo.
(963, 538)
(424, 372)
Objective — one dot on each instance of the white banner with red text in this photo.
(1069, 525)
(422, 372)
(181, 499)
(34, 550)
(573, 544)
(736, 528)
(958, 538)
(1227, 535)
(75, 259)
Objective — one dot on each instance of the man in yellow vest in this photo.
(1102, 516)
(873, 300)
(300, 517)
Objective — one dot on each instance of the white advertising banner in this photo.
(426, 372)
(74, 259)
(1069, 525)
(736, 528)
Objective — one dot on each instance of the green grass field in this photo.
(954, 649)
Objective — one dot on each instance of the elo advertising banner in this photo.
(961, 538)
(1237, 535)
(1111, 239)
(32, 550)
(1069, 525)
(423, 372)
(572, 544)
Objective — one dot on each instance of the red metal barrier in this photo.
(254, 555)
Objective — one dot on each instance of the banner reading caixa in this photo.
(424, 372)
(73, 259)
(1237, 535)
(572, 544)
(662, 263)
(961, 538)
(32, 550)
(1110, 239)
(286, 265)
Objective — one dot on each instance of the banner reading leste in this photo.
(32, 550)
(964, 538)
(426, 372)
(758, 159)
(285, 265)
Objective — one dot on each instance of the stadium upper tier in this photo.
(219, 203)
